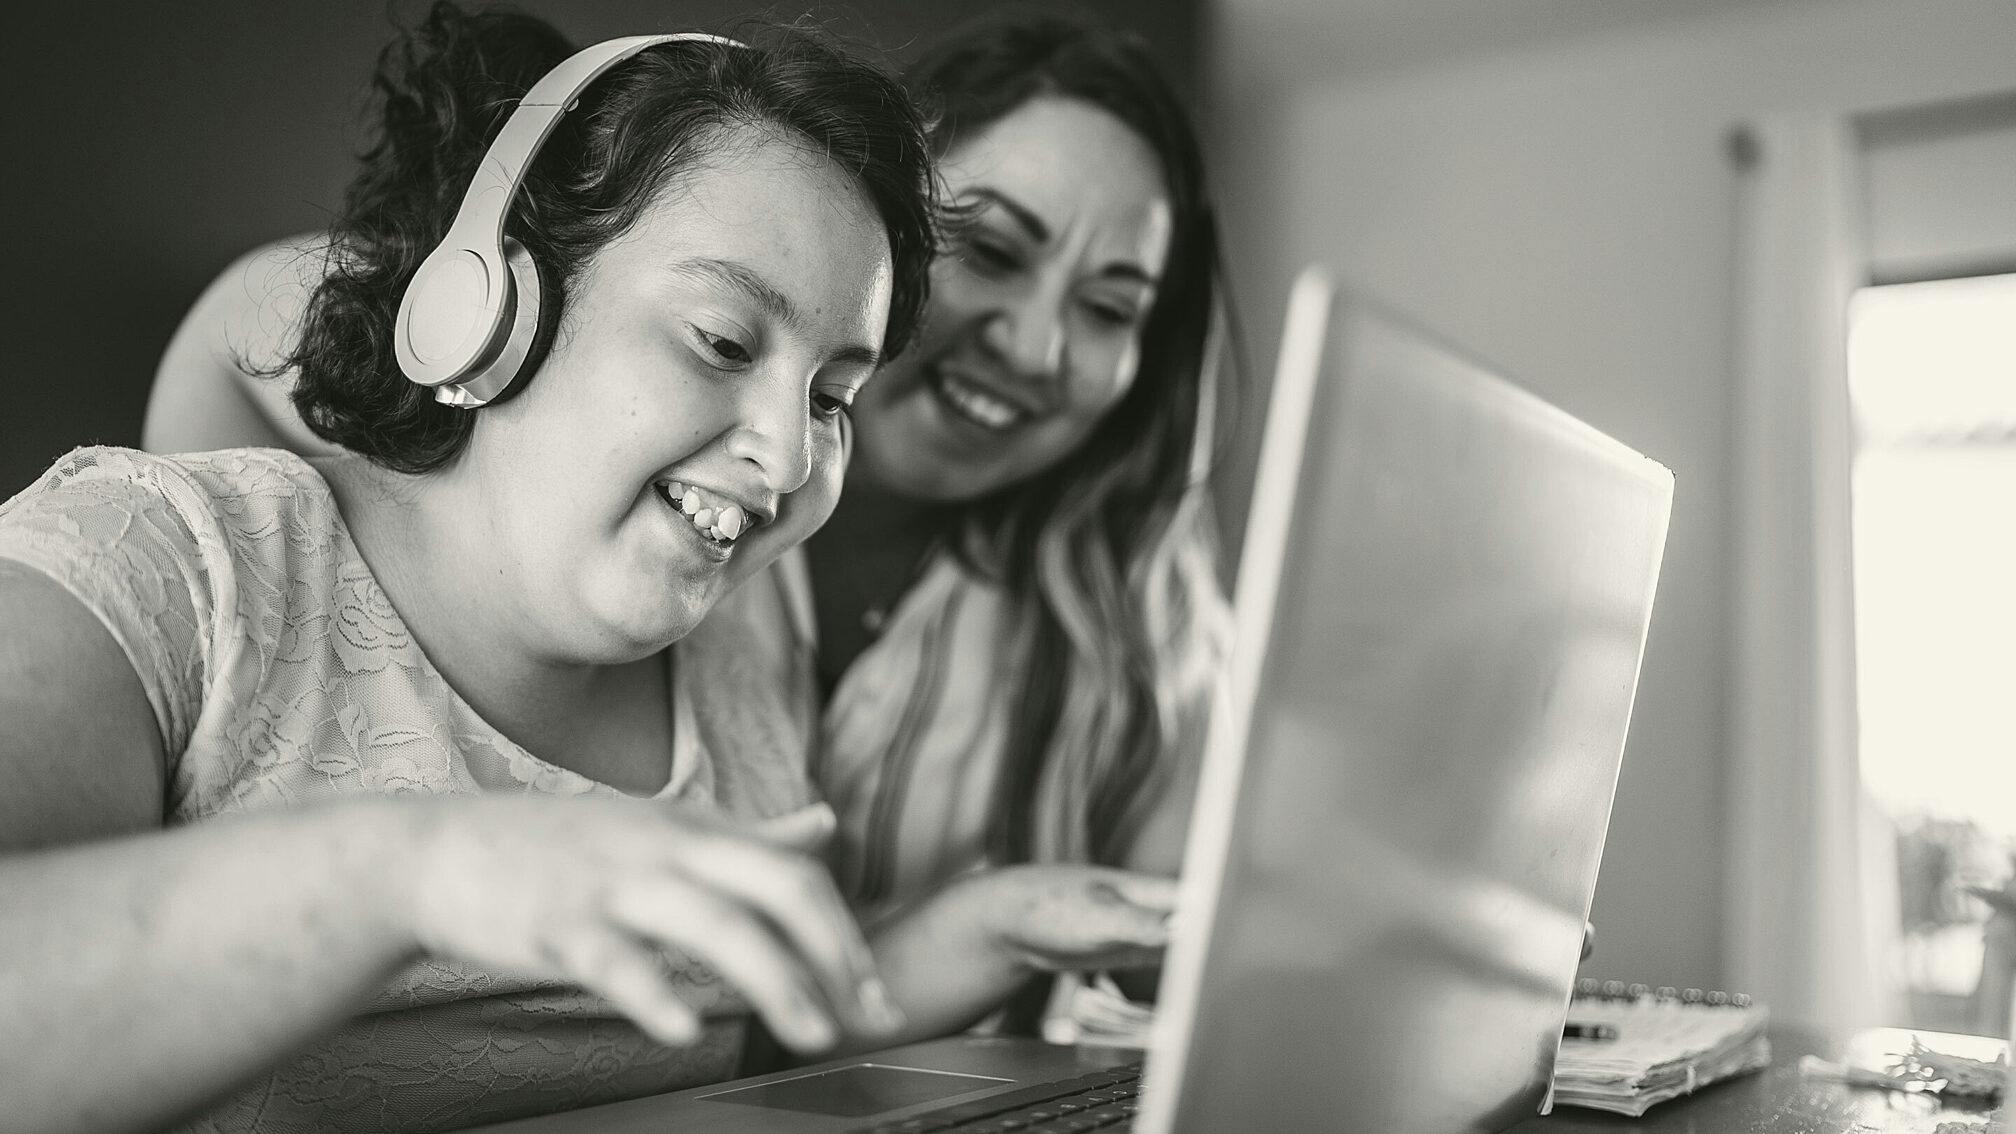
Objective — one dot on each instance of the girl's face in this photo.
(688, 425)
(1034, 327)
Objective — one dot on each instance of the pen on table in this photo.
(1588, 1031)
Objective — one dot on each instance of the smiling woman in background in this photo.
(1015, 612)
(1018, 603)
(393, 704)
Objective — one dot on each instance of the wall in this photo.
(147, 144)
(1566, 209)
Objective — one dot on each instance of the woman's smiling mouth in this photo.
(974, 403)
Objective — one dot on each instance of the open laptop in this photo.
(1442, 602)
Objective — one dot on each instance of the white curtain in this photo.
(1809, 864)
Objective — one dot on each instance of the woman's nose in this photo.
(775, 434)
(1028, 337)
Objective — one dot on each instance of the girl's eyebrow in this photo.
(741, 278)
(746, 280)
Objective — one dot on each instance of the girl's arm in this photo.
(145, 973)
(143, 977)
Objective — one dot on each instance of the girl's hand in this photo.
(592, 890)
(1056, 916)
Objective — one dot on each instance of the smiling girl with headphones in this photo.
(410, 761)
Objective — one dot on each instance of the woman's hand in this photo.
(955, 955)
(592, 891)
(1054, 917)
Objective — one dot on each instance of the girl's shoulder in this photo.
(216, 516)
(203, 490)
(184, 558)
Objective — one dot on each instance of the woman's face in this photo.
(1034, 327)
(687, 426)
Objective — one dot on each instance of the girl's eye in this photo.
(831, 405)
(724, 351)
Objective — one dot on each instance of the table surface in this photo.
(1779, 1098)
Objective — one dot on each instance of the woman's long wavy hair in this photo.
(1110, 555)
(447, 88)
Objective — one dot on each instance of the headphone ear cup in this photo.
(491, 381)
(452, 315)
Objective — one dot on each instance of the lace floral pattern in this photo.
(280, 674)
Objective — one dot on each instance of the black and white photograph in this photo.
(983, 566)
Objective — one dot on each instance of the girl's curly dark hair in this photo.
(447, 88)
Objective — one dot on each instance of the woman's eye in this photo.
(1113, 315)
(722, 350)
(992, 255)
(831, 405)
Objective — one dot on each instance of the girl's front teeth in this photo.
(722, 524)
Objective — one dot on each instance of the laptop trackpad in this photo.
(857, 1090)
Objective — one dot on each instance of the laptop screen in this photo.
(1443, 599)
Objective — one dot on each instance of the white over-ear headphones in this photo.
(469, 314)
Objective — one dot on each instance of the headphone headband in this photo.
(468, 315)
(495, 183)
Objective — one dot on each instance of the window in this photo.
(1932, 377)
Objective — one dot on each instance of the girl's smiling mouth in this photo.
(718, 520)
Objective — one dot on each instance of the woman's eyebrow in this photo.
(1027, 219)
(742, 278)
(1129, 270)
(1022, 214)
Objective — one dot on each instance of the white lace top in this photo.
(279, 674)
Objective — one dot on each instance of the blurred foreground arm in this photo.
(144, 974)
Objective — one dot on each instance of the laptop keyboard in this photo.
(1102, 1101)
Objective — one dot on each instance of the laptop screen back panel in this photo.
(1436, 713)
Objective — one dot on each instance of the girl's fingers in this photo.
(796, 894)
(630, 974)
(738, 943)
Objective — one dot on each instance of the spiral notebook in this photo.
(1662, 1043)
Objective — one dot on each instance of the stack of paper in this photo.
(1663, 1047)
